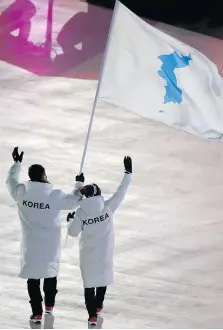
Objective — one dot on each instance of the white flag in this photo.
(156, 76)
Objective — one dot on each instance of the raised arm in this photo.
(15, 188)
(114, 202)
(70, 201)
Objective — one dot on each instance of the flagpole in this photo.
(97, 92)
(99, 84)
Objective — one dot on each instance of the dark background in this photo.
(200, 16)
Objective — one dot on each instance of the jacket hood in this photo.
(92, 206)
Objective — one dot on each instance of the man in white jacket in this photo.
(39, 206)
(94, 220)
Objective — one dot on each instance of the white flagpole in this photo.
(97, 91)
(99, 83)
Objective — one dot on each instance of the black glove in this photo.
(15, 155)
(80, 177)
(128, 164)
(70, 216)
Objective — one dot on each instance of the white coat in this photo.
(94, 220)
(39, 207)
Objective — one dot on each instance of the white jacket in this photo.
(94, 220)
(39, 207)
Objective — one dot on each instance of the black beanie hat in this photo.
(91, 190)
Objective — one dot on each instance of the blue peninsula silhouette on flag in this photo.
(170, 63)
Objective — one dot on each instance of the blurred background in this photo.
(200, 16)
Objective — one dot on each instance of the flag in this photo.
(156, 76)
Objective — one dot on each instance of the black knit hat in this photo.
(91, 190)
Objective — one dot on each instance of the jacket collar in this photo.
(39, 185)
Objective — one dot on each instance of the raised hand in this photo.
(15, 155)
(80, 177)
(128, 164)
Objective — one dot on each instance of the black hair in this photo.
(36, 172)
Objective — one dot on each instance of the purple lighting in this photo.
(90, 29)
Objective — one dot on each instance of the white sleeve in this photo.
(75, 226)
(114, 202)
(70, 201)
(16, 189)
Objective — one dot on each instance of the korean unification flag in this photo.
(156, 76)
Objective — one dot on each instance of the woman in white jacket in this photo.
(39, 206)
(94, 220)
